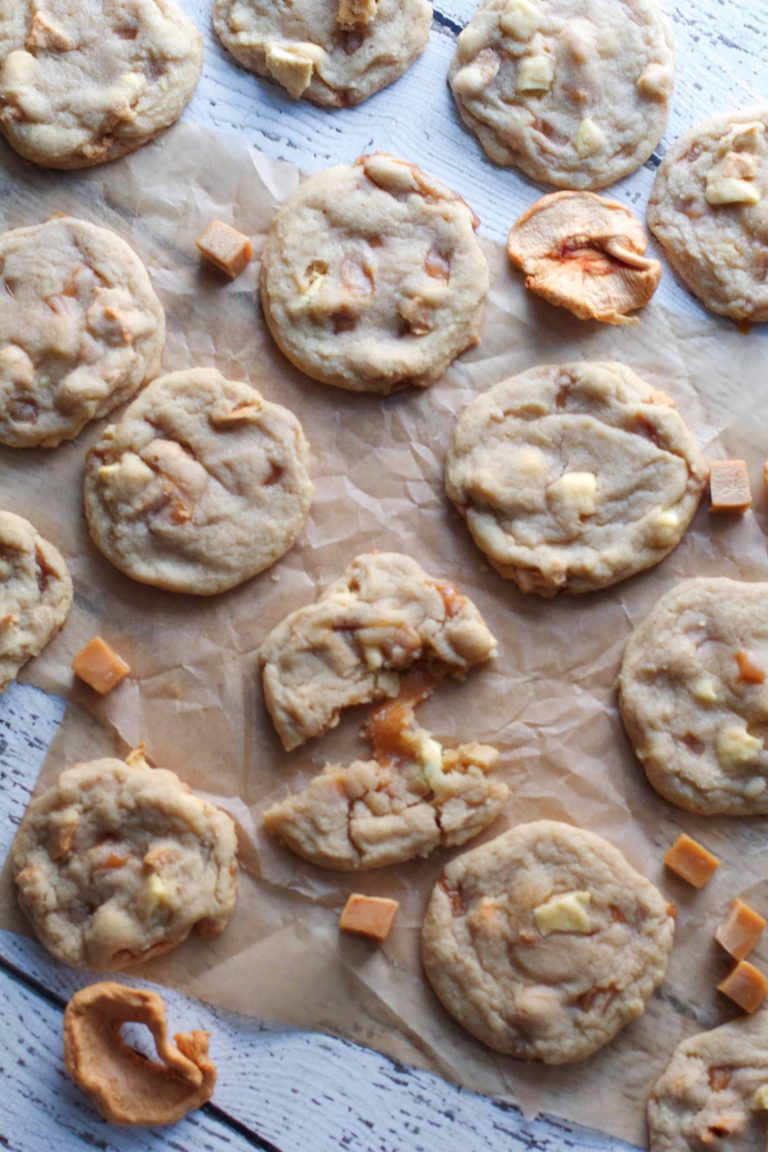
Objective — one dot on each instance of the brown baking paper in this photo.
(547, 702)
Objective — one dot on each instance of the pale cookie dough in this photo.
(117, 862)
(81, 329)
(413, 797)
(35, 594)
(200, 485)
(709, 211)
(352, 645)
(334, 52)
(84, 82)
(545, 942)
(710, 1094)
(372, 278)
(126, 1087)
(573, 477)
(694, 699)
(572, 92)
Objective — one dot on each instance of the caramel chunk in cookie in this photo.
(585, 253)
(382, 616)
(127, 1087)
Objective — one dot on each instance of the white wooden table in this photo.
(295, 1091)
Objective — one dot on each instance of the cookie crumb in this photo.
(370, 916)
(691, 861)
(99, 666)
(225, 248)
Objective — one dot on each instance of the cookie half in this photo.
(81, 329)
(35, 594)
(573, 477)
(84, 83)
(117, 862)
(544, 942)
(709, 211)
(333, 52)
(694, 699)
(572, 92)
(709, 1094)
(372, 278)
(201, 485)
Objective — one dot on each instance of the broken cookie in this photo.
(383, 615)
(126, 1086)
(583, 252)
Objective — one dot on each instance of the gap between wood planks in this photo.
(213, 1110)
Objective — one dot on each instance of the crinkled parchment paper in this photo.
(547, 702)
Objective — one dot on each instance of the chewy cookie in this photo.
(35, 594)
(571, 478)
(383, 615)
(334, 52)
(545, 942)
(709, 211)
(372, 278)
(694, 699)
(117, 862)
(413, 797)
(713, 1092)
(81, 329)
(200, 485)
(572, 92)
(84, 83)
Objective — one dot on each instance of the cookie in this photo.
(35, 594)
(710, 1093)
(694, 699)
(584, 252)
(84, 83)
(544, 942)
(572, 92)
(333, 52)
(372, 278)
(117, 862)
(383, 615)
(413, 797)
(202, 484)
(573, 477)
(81, 329)
(709, 211)
(124, 1088)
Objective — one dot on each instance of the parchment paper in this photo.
(547, 702)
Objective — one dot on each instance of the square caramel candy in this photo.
(729, 489)
(741, 930)
(745, 985)
(691, 861)
(99, 666)
(370, 916)
(225, 248)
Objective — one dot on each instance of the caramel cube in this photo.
(729, 489)
(750, 668)
(741, 929)
(370, 916)
(225, 248)
(100, 666)
(691, 861)
(745, 985)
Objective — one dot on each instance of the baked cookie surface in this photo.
(80, 329)
(35, 594)
(383, 615)
(201, 485)
(372, 278)
(84, 82)
(333, 52)
(572, 92)
(117, 862)
(693, 697)
(709, 211)
(573, 477)
(544, 942)
(706, 1096)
